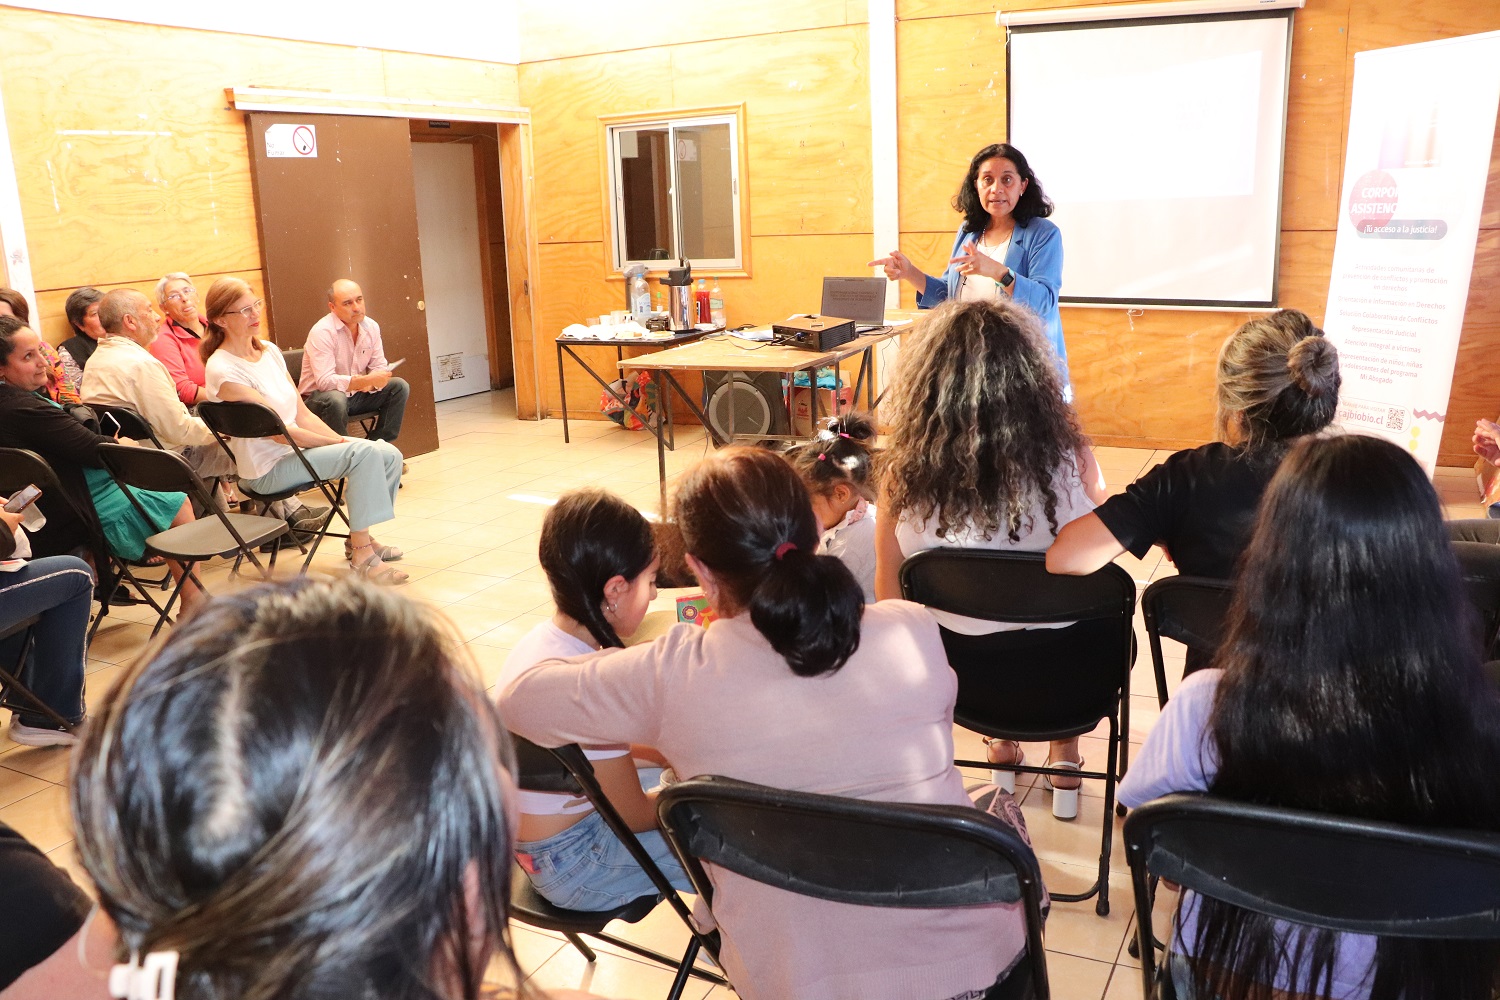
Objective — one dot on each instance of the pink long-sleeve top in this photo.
(722, 701)
(176, 347)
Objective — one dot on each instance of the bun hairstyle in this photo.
(304, 795)
(746, 515)
(1278, 379)
(589, 537)
(841, 453)
(221, 297)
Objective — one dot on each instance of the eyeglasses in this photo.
(182, 295)
(253, 309)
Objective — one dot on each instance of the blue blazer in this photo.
(1036, 257)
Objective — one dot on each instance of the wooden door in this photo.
(340, 203)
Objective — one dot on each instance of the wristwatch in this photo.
(1009, 279)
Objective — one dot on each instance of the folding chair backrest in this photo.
(131, 424)
(1480, 562)
(241, 420)
(1013, 587)
(850, 850)
(153, 469)
(21, 467)
(540, 770)
(1313, 868)
(293, 361)
(1193, 610)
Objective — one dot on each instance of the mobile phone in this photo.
(111, 418)
(395, 364)
(22, 499)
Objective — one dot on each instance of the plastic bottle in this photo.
(661, 301)
(640, 299)
(704, 313)
(716, 305)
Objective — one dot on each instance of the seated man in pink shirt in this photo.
(344, 371)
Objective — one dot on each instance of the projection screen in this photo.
(1160, 141)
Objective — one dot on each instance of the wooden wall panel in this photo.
(164, 184)
(807, 128)
(950, 75)
(566, 99)
(555, 30)
(1315, 116)
(54, 321)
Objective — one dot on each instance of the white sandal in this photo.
(1064, 800)
(376, 571)
(1003, 778)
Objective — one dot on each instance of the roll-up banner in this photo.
(1420, 129)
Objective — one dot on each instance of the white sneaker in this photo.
(40, 736)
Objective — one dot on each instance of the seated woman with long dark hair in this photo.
(797, 685)
(1350, 684)
(985, 454)
(302, 795)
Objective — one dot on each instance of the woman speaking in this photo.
(1005, 246)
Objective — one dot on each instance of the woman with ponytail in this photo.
(1278, 380)
(599, 555)
(798, 685)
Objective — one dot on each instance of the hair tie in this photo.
(154, 978)
(784, 548)
(822, 456)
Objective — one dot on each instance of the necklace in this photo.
(997, 242)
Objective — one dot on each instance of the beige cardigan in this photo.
(721, 701)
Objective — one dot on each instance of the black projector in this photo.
(815, 333)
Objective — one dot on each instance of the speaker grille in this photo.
(739, 407)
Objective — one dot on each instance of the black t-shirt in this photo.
(43, 908)
(1199, 504)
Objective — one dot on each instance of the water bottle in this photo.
(640, 299)
(716, 305)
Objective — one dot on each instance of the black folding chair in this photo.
(128, 422)
(253, 420)
(1480, 563)
(366, 422)
(566, 769)
(1194, 610)
(20, 467)
(199, 540)
(1061, 697)
(1351, 875)
(14, 695)
(889, 854)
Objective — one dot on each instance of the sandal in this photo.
(1003, 779)
(377, 572)
(387, 553)
(1064, 800)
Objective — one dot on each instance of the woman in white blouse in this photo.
(240, 367)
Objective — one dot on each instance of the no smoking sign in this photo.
(288, 140)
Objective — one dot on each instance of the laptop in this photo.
(859, 299)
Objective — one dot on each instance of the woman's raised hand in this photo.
(897, 266)
(973, 261)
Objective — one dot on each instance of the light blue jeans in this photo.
(587, 868)
(373, 469)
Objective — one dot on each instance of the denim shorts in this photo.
(587, 868)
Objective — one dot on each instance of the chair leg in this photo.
(583, 948)
(684, 971)
(1102, 906)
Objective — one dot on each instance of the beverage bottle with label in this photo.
(640, 299)
(716, 305)
(704, 315)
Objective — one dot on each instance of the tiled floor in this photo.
(468, 520)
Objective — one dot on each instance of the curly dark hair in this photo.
(1033, 203)
(979, 427)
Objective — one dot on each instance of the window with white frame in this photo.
(675, 192)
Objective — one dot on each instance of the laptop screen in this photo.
(859, 299)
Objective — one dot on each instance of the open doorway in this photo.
(456, 168)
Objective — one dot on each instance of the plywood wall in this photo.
(1146, 378)
(129, 160)
(805, 95)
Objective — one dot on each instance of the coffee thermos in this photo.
(678, 283)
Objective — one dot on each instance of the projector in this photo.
(813, 332)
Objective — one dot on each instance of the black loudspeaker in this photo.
(744, 403)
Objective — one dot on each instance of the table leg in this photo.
(562, 392)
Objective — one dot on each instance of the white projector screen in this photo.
(1160, 141)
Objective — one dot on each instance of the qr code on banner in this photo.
(1395, 418)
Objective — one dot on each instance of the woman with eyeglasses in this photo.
(240, 367)
(178, 337)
